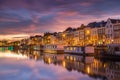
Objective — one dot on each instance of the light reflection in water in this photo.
(93, 67)
(88, 69)
(9, 54)
(49, 60)
(64, 64)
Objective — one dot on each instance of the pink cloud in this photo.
(9, 20)
(86, 4)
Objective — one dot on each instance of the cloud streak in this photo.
(39, 16)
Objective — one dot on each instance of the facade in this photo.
(69, 38)
(3, 43)
(34, 40)
(110, 30)
(94, 36)
(116, 30)
(76, 38)
(97, 32)
(82, 36)
(50, 39)
(87, 36)
(101, 35)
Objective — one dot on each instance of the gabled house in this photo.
(110, 30)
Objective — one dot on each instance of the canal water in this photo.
(34, 65)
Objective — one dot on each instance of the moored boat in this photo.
(74, 49)
(87, 50)
(53, 48)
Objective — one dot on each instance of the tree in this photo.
(69, 29)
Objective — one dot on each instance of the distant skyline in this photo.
(38, 16)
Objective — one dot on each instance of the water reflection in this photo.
(85, 65)
(9, 54)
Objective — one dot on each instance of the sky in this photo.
(31, 17)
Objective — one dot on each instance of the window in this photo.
(108, 31)
(110, 26)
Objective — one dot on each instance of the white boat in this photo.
(79, 50)
(53, 48)
(74, 49)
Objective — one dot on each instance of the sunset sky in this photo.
(39, 16)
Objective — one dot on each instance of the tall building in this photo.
(94, 36)
(76, 37)
(87, 35)
(101, 35)
(97, 32)
(110, 30)
(82, 35)
(116, 30)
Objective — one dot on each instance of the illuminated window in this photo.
(71, 48)
(87, 31)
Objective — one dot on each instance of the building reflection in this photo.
(36, 55)
(113, 71)
(55, 59)
(93, 67)
(98, 68)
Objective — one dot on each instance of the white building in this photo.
(110, 30)
(76, 37)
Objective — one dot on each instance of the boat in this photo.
(74, 49)
(53, 48)
(87, 50)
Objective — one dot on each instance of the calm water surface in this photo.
(34, 65)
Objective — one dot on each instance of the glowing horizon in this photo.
(14, 36)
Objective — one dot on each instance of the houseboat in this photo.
(53, 48)
(87, 50)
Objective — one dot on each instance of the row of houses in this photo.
(95, 33)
